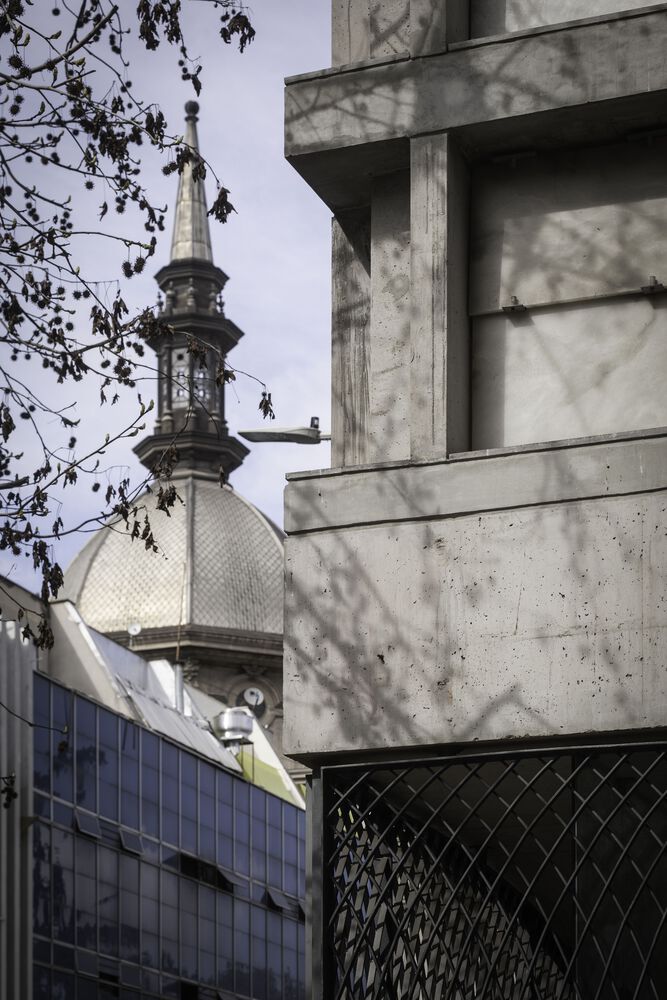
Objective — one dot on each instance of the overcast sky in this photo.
(275, 249)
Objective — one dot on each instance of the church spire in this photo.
(191, 406)
(191, 238)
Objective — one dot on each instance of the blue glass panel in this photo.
(41, 885)
(61, 743)
(188, 915)
(290, 960)
(206, 811)
(86, 754)
(290, 818)
(274, 956)
(86, 894)
(189, 796)
(242, 946)
(150, 783)
(275, 812)
(108, 909)
(291, 879)
(258, 834)
(225, 947)
(42, 737)
(258, 951)
(129, 909)
(169, 922)
(207, 935)
(150, 916)
(108, 764)
(62, 880)
(129, 774)
(170, 785)
(241, 827)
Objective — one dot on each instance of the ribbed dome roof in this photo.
(220, 565)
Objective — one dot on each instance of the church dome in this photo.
(219, 566)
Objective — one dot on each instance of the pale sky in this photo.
(276, 249)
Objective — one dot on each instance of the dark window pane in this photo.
(242, 842)
(62, 986)
(131, 842)
(108, 764)
(86, 754)
(61, 742)
(207, 948)
(85, 823)
(42, 737)
(170, 785)
(108, 901)
(169, 921)
(86, 895)
(188, 915)
(150, 914)
(41, 885)
(129, 774)
(274, 956)
(150, 784)
(62, 875)
(189, 795)
(41, 989)
(225, 947)
(206, 811)
(129, 909)
(242, 946)
(258, 834)
(258, 951)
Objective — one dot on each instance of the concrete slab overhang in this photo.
(597, 80)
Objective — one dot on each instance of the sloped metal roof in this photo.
(220, 564)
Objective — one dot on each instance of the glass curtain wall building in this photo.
(157, 873)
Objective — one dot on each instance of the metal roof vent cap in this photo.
(234, 725)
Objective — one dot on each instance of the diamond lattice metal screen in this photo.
(523, 876)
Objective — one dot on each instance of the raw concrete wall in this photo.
(507, 624)
(569, 371)
(494, 17)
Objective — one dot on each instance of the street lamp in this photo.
(297, 435)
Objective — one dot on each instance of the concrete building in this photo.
(476, 591)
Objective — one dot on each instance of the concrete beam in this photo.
(520, 477)
(553, 86)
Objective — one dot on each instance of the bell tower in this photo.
(190, 405)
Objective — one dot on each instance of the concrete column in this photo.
(436, 23)
(380, 29)
(351, 307)
(439, 326)
(350, 31)
(389, 354)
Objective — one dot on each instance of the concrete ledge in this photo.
(494, 84)
(475, 483)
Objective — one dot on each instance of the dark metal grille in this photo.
(538, 875)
